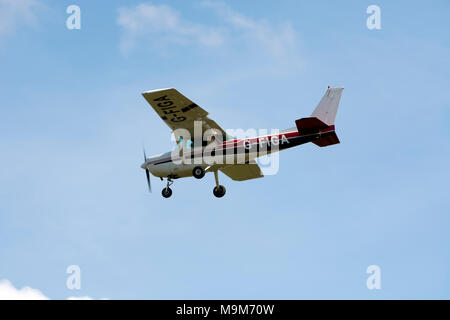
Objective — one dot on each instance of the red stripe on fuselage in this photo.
(257, 140)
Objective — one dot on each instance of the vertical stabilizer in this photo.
(327, 108)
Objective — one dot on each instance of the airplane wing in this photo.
(178, 112)
(241, 172)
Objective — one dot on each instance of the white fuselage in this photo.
(169, 164)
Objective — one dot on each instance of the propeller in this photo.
(147, 173)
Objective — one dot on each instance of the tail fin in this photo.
(322, 119)
(327, 108)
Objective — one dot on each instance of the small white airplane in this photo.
(234, 157)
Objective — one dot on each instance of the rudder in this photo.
(327, 108)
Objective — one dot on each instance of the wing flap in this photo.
(241, 172)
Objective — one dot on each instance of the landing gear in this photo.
(219, 190)
(167, 192)
(198, 172)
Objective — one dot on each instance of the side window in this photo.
(189, 144)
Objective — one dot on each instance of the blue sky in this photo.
(73, 122)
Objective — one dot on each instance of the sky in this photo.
(73, 124)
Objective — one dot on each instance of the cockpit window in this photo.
(189, 144)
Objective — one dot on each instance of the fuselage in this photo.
(180, 162)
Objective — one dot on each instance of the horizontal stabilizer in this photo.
(313, 125)
(310, 125)
(330, 139)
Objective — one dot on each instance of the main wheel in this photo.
(220, 191)
(198, 172)
(166, 192)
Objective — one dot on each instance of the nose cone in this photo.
(144, 165)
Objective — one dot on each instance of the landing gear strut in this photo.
(219, 190)
(167, 192)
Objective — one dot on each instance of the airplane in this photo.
(196, 154)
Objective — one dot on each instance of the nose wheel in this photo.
(219, 190)
(167, 192)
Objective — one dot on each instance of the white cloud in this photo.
(80, 298)
(163, 21)
(9, 292)
(160, 24)
(278, 41)
(16, 12)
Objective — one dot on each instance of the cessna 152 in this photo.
(234, 157)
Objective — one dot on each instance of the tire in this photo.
(220, 191)
(198, 172)
(166, 192)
